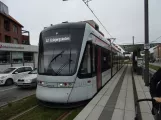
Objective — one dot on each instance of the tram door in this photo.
(98, 66)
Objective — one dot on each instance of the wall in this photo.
(10, 33)
(24, 48)
(25, 38)
(18, 47)
(36, 59)
(157, 52)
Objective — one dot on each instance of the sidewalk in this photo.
(143, 92)
(116, 101)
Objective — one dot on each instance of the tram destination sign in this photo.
(57, 39)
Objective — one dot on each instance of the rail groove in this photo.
(65, 115)
(24, 112)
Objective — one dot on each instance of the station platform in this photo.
(116, 100)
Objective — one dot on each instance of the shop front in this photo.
(12, 55)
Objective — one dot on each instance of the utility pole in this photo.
(146, 45)
(133, 39)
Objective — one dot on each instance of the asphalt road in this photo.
(12, 93)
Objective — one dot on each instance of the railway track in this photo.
(39, 112)
(65, 115)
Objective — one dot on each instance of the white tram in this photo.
(75, 62)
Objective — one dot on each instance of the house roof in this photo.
(11, 18)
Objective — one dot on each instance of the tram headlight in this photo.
(65, 85)
(41, 83)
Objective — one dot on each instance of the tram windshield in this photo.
(59, 51)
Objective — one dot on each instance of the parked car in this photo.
(8, 76)
(30, 80)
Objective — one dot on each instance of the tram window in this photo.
(93, 60)
(106, 60)
(85, 69)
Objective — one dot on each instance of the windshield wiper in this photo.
(55, 58)
(49, 69)
(63, 66)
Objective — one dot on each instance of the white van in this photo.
(8, 76)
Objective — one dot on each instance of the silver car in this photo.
(30, 80)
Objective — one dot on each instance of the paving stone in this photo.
(120, 104)
(129, 115)
(141, 95)
(85, 112)
(122, 93)
(118, 114)
(98, 107)
(103, 91)
(123, 87)
(109, 91)
(130, 94)
(130, 104)
(94, 115)
(146, 116)
(95, 100)
(103, 101)
(107, 111)
(144, 107)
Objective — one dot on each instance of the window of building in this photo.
(17, 57)
(7, 39)
(4, 57)
(7, 25)
(26, 42)
(15, 29)
(15, 40)
(28, 57)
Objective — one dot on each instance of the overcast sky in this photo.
(122, 18)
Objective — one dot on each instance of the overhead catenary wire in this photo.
(156, 39)
(86, 3)
(143, 42)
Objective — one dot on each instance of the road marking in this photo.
(8, 89)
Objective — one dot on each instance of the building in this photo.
(157, 52)
(10, 29)
(15, 48)
(17, 55)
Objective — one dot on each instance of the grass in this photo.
(38, 113)
(154, 67)
(17, 107)
(74, 113)
(42, 113)
(127, 62)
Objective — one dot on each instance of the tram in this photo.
(75, 61)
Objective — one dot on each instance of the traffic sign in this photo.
(146, 46)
